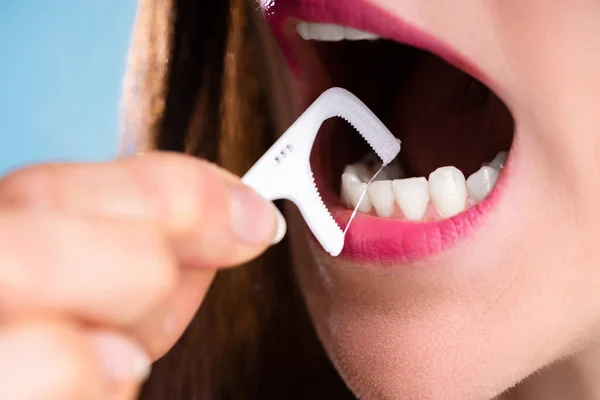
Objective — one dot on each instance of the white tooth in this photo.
(448, 190)
(348, 179)
(360, 171)
(331, 32)
(351, 170)
(355, 190)
(382, 198)
(324, 32)
(481, 183)
(356, 34)
(302, 29)
(412, 196)
(499, 161)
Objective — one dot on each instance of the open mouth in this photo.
(455, 132)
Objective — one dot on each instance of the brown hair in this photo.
(193, 86)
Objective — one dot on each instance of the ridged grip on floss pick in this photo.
(284, 172)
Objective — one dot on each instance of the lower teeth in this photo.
(445, 194)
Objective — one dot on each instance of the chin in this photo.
(437, 294)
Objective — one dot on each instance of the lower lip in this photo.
(399, 241)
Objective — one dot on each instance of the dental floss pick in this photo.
(284, 172)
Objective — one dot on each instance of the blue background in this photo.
(61, 68)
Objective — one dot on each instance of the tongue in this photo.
(445, 117)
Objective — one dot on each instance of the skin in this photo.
(520, 294)
(103, 266)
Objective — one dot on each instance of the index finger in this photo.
(213, 219)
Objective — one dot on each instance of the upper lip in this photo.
(376, 238)
(367, 17)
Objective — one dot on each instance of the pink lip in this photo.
(380, 239)
(372, 238)
(363, 16)
(401, 241)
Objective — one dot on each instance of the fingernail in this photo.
(121, 359)
(281, 227)
(256, 221)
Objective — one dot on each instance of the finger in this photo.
(213, 219)
(52, 188)
(127, 392)
(105, 271)
(165, 325)
(130, 281)
(44, 359)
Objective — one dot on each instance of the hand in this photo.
(102, 267)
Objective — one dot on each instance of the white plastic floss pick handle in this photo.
(284, 172)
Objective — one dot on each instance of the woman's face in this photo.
(459, 284)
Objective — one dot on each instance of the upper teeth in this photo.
(446, 190)
(331, 32)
